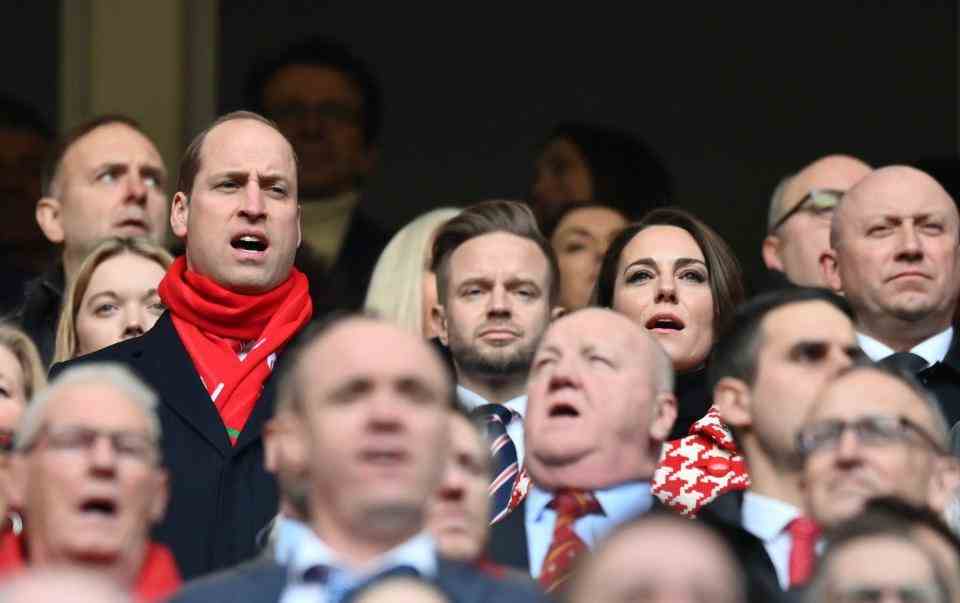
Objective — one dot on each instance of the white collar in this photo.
(933, 349)
(766, 517)
(619, 503)
(418, 552)
(473, 400)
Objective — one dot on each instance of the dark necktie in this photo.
(566, 547)
(505, 466)
(905, 361)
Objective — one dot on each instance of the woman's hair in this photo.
(66, 345)
(396, 286)
(550, 223)
(24, 350)
(726, 277)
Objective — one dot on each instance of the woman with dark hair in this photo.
(675, 276)
(580, 233)
(586, 162)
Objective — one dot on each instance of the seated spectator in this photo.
(660, 558)
(798, 224)
(891, 442)
(589, 162)
(675, 277)
(87, 475)
(580, 234)
(600, 405)
(114, 297)
(403, 287)
(376, 434)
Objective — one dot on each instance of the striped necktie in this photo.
(504, 453)
(566, 546)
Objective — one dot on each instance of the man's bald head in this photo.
(837, 172)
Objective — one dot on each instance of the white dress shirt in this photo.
(288, 535)
(517, 406)
(933, 350)
(767, 519)
(620, 504)
(419, 553)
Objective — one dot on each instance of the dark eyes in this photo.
(693, 276)
(810, 352)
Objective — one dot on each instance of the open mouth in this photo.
(665, 323)
(104, 507)
(249, 242)
(563, 409)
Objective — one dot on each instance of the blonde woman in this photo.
(403, 289)
(114, 296)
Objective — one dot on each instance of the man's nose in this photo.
(103, 457)
(849, 447)
(136, 188)
(911, 246)
(452, 488)
(499, 301)
(252, 206)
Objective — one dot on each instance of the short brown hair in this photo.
(487, 218)
(51, 166)
(726, 277)
(190, 163)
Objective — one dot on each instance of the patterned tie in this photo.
(505, 466)
(566, 546)
(804, 534)
(905, 361)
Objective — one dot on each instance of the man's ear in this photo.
(50, 219)
(158, 504)
(732, 398)
(299, 225)
(438, 317)
(665, 414)
(831, 270)
(944, 483)
(557, 312)
(770, 250)
(179, 213)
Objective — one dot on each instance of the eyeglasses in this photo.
(870, 431)
(818, 202)
(909, 593)
(130, 445)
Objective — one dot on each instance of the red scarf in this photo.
(216, 325)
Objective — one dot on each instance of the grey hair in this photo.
(777, 200)
(104, 373)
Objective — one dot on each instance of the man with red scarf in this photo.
(234, 303)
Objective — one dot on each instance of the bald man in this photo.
(798, 226)
(894, 251)
(600, 404)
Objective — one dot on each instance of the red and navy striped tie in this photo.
(504, 452)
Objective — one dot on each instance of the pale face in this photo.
(562, 175)
(497, 304)
(592, 401)
(663, 285)
(898, 251)
(377, 428)
(242, 212)
(804, 237)
(92, 501)
(580, 241)
(120, 302)
(879, 562)
(839, 481)
(803, 346)
(321, 111)
(459, 513)
(111, 182)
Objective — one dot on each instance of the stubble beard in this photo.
(500, 364)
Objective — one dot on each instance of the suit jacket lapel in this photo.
(508, 540)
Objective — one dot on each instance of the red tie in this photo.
(804, 534)
(566, 546)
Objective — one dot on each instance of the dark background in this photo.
(733, 96)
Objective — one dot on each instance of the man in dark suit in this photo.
(234, 302)
(895, 246)
(765, 374)
(328, 103)
(600, 404)
(375, 432)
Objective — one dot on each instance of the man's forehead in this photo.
(499, 252)
(234, 144)
(93, 403)
(112, 143)
(869, 392)
(897, 192)
(813, 320)
(594, 328)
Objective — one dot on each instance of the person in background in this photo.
(105, 178)
(329, 104)
(580, 234)
(113, 297)
(590, 162)
(798, 223)
(403, 287)
(675, 277)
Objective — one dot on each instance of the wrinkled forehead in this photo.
(110, 143)
(97, 405)
(897, 193)
(593, 328)
(242, 144)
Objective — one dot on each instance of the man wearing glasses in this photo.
(872, 432)
(86, 475)
(798, 225)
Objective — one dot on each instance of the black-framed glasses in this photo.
(906, 593)
(819, 202)
(870, 431)
(132, 445)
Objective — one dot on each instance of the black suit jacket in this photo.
(264, 581)
(943, 379)
(220, 495)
